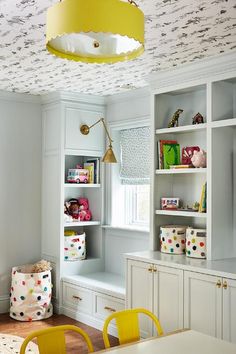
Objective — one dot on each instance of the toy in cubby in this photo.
(78, 209)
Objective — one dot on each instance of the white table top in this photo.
(188, 342)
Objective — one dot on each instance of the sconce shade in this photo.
(109, 156)
(95, 31)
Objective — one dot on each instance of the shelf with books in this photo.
(181, 213)
(82, 169)
(178, 171)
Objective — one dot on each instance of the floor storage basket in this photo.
(30, 296)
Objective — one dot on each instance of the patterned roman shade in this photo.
(135, 155)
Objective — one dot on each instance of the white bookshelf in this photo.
(215, 99)
(81, 223)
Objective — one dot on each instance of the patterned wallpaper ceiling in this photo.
(177, 32)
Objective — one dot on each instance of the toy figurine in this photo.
(198, 119)
(199, 158)
(174, 122)
(196, 206)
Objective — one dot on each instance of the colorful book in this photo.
(160, 150)
(96, 163)
(203, 200)
(90, 167)
(171, 155)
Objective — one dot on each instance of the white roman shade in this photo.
(135, 155)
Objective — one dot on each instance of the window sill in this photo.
(127, 228)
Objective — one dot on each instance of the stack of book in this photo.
(93, 166)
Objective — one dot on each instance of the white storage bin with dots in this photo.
(172, 239)
(30, 296)
(196, 243)
(74, 246)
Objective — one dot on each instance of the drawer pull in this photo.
(155, 269)
(218, 284)
(150, 269)
(109, 309)
(225, 285)
(77, 297)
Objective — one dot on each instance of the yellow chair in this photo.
(52, 340)
(127, 323)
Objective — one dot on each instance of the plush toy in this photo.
(83, 202)
(74, 208)
(41, 266)
(199, 158)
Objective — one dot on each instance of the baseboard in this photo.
(4, 304)
(88, 320)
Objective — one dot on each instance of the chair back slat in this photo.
(128, 327)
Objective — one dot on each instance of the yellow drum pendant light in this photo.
(95, 31)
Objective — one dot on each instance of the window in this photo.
(130, 178)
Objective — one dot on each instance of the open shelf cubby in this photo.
(224, 101)
(192, 100)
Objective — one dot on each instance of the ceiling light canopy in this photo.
(95, 31)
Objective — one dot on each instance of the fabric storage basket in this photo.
(172, 239)
(74, 246)
(196, 243)
(30, 296)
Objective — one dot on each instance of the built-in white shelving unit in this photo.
(215, 99)
(82, 185)
(81, 223)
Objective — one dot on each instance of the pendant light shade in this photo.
(95, 31)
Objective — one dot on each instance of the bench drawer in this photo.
(106, 305)
(77, 297)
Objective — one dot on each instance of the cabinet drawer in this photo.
(106, 305)
(74, 140)
(77, 297)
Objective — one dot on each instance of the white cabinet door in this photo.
(74, 140)
(229, 310)
(203, 303)
(140, 291)
(168, 297)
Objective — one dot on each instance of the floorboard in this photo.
(75, 344)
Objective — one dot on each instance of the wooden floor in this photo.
(75, 343)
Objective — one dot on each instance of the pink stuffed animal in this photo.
(199, 158)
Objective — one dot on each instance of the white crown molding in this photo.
(204, 69)
(19, 97)
(129, 95)
(55, 97)
(136, 122)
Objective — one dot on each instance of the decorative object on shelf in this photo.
(198, 119)
(199, 159)
(196, 243)
(171, 155)
(160, 150)
(170, 203)
(203, 200)
(78, 175)
(109, 156)
(196, 206)
(31, 292)
(94, 31)
(74, 246)
(187, 154)
(78, 209)
(95, 163)
(173, 238)
(174, 122)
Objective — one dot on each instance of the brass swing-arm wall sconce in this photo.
(109, 156)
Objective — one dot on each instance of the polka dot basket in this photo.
(172, 239)
(30, 295)
(74, 246)
(196, 243)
